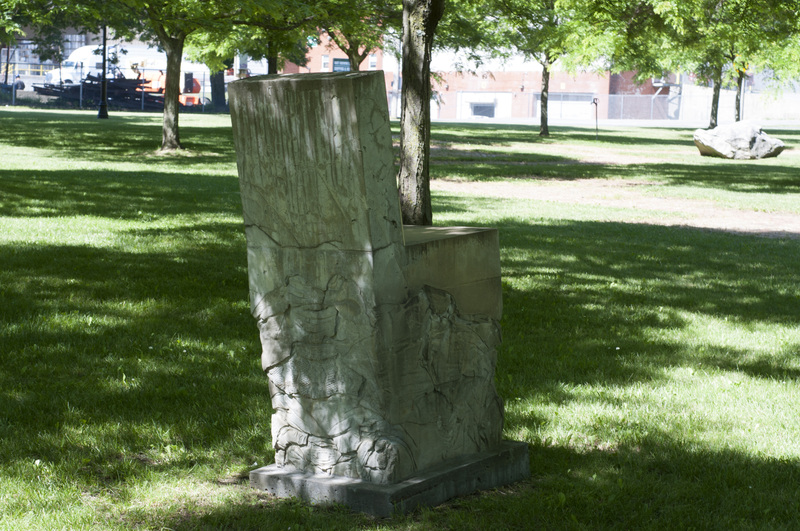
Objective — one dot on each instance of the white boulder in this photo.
(740, 140)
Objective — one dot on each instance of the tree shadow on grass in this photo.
(499, 169)
(575, 291)
(117, 362)
(788, 136)
(589, 302)
(602, 303)
(446, 156)
(118, 195)
(659, 483)
(770, 176)
(506, 134)
(81, 136)
(766, 176)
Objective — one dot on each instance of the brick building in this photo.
(510, 89)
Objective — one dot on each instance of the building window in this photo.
(326, 63)
(373, 61)
(72, 43)
(485, 110)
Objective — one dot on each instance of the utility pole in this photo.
(103, 111)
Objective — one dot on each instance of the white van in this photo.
(80, 63)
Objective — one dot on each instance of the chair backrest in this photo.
(374, 371)
(325, 178)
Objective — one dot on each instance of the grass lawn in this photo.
(653, 370)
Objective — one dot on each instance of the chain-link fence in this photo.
(141, 89)
(693, 105)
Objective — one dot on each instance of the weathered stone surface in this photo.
(376, 372)
(460, 260)
(740, 140)
(462, 475)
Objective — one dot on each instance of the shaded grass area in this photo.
(652, 370)
(507, 134)
(78, 136)
(130, 195)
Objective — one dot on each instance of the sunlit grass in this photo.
(652, 370)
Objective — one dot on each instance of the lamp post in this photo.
(103, 111)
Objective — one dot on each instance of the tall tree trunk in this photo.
(544, 130)
(217, 81)
(715, 98)
(420, 18)
(353, 54)
(739, 90)
(173, 47)
(272, 58)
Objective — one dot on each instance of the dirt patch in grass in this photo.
(630, 194)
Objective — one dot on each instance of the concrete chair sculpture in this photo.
(378, 340)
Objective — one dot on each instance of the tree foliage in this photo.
(359, 27)
(48, 19)
(168, 24)
(12, 19)
(539, 30)
(717, 40)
